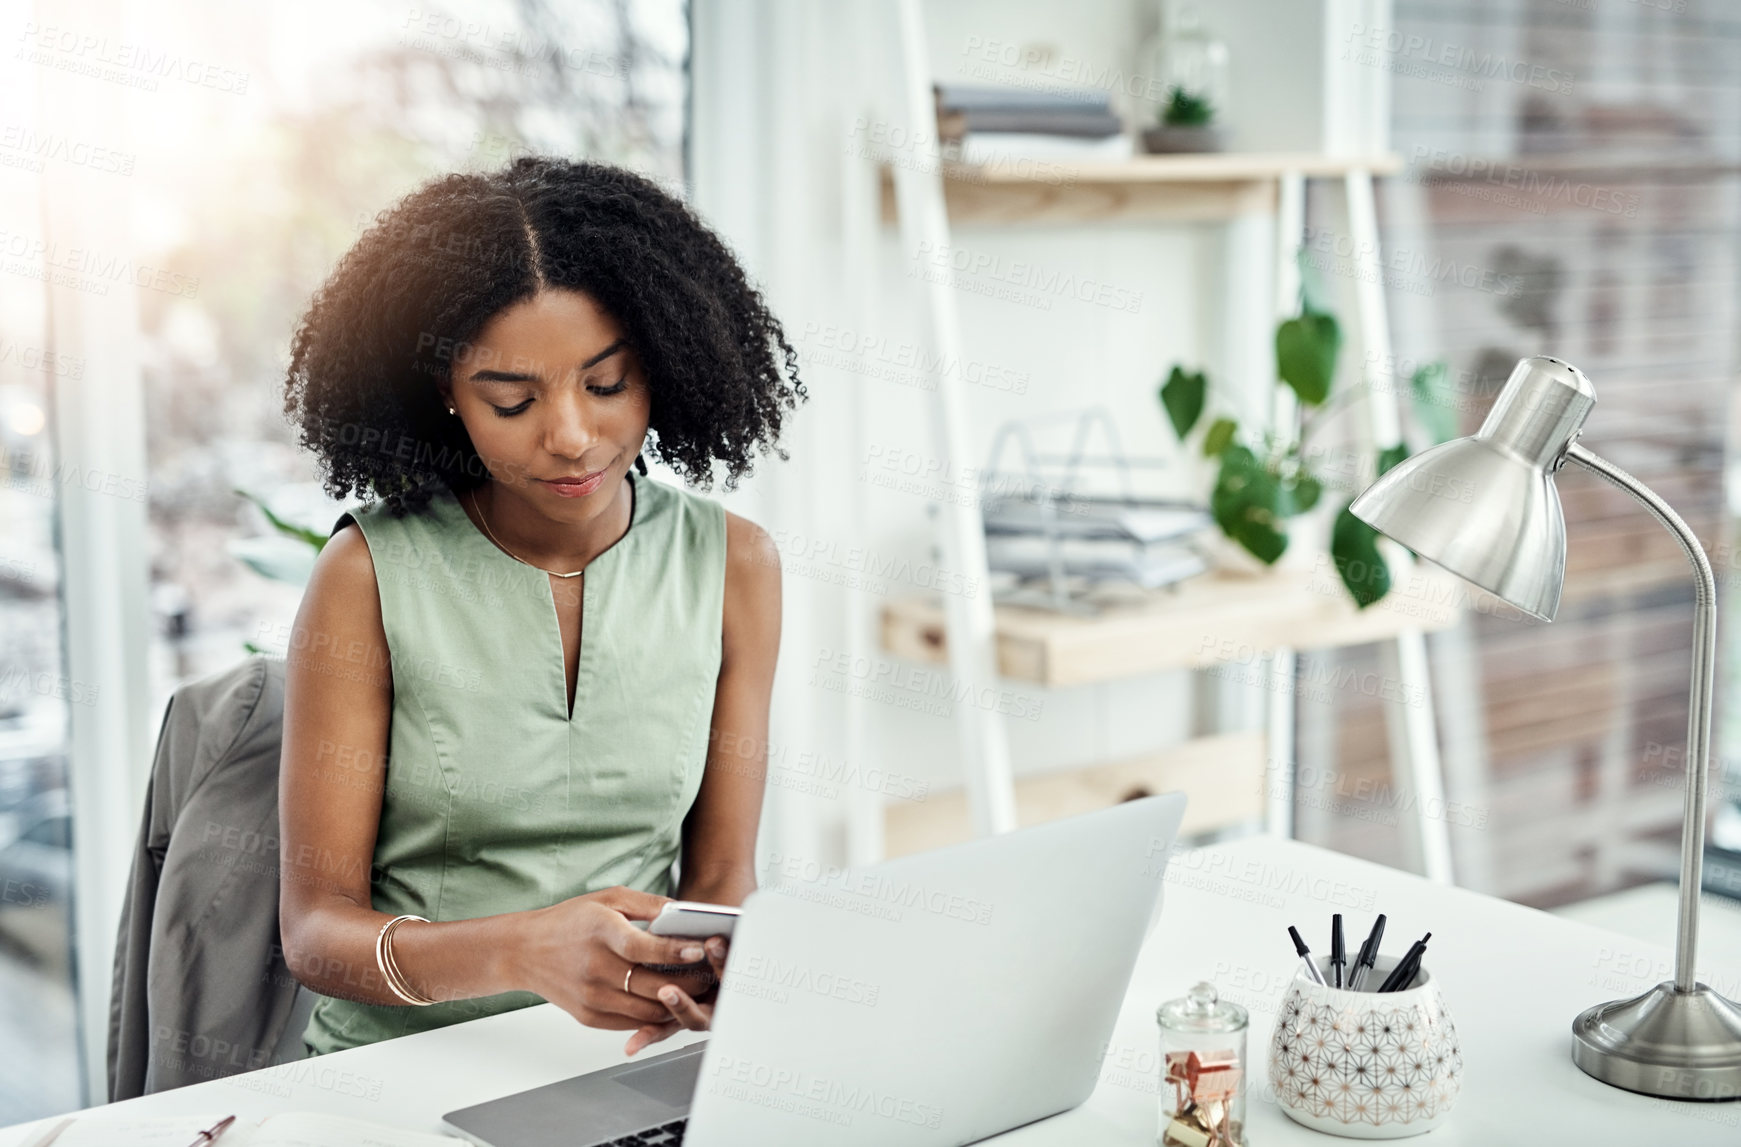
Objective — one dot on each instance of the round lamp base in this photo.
(1675, 1045)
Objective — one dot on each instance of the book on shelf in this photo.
(988, 124)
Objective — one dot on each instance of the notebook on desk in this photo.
(288, 1129)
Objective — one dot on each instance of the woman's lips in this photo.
(578, 489)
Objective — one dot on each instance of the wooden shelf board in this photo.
(1215, 618)
(1222, 775)
(1174, 188)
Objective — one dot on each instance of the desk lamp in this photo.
(1486, 509)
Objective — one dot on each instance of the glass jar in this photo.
(1187, 56)
(1202, 1070)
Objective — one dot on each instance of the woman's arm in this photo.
(719, 835)
(338, 705)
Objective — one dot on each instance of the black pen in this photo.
(1311, 965)
(1403, 974)
(1368, 954)
(1338, 952)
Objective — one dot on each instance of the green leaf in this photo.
(1434, 404)
(313, 537)
(1302, 493)
(1186, 109)
(1306, 350)
(1220, 436)
(251, 647)
(1183, 396)
(1247, 504)
(1389, 457)
(1354, 548)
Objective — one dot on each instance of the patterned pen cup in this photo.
(1366, 1065)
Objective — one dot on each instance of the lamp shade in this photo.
(1485, 507)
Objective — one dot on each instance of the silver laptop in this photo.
(935, 999)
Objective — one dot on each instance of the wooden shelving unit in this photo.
(1224, 774)
(1209, 620)
(1150, 188)
(1278, 613)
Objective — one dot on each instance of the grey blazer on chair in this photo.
(201, 988)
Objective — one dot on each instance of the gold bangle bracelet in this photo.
(389, 967)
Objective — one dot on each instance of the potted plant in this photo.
(1265, 478)
(1187, 124)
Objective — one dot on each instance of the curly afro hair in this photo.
(381, 332)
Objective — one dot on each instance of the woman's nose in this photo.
(568, 428)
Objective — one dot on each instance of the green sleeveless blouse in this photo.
(496, 799)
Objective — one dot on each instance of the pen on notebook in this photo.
(1310, 964)
(1404, 973)
(211, 1133)
(1338, 951)
(1368, 954)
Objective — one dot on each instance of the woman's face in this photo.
(550, 389)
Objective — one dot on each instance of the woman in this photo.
(488, 363)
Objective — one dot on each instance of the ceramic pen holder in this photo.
(1366, 1064)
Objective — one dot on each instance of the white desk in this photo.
(1512, 977)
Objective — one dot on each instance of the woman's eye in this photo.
(510, 411)
(617, 387)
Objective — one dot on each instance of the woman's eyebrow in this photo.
(522, 376)
(603, 354)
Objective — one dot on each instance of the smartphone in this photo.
(691, 919)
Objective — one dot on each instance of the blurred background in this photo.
(1551, 177)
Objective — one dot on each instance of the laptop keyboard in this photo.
(666, 1136)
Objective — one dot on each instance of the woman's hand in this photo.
(580, 953)
(692, 1009)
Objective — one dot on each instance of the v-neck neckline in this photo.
(587, 598)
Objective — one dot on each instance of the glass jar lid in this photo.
(1201, 1010)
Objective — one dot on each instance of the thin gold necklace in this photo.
(510, 552)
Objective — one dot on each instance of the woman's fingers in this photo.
(685, 1010)
(651, 1034)
(718, 948)
(631, 903)
(646, 982)
(638, 947)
